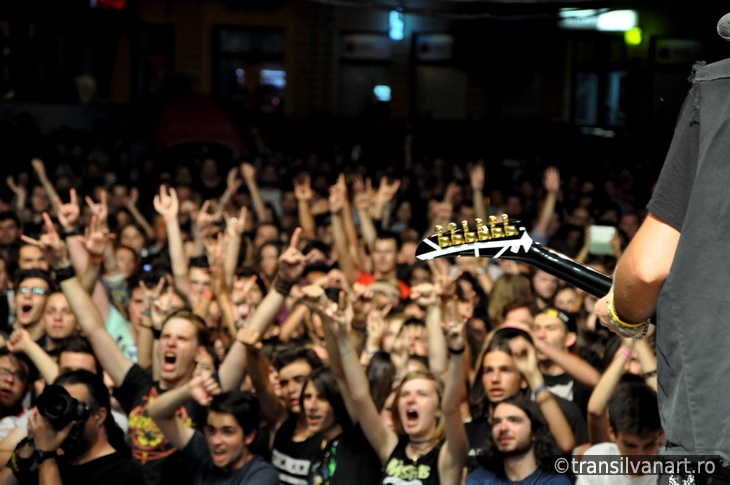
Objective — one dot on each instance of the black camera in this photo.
(57, 405)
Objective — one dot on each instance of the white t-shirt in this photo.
(611, 449)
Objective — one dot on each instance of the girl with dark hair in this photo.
(346, 457)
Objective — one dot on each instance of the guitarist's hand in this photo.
(600, 309)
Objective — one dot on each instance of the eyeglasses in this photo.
(35, 290)
(17, 375)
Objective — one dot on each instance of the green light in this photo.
(633, 36)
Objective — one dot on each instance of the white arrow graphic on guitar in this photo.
(525, 242)
(505, 240)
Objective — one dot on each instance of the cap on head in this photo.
(566, 318)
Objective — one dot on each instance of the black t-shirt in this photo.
(160, 461)
(478, 432)
(346, 460)
(112, 469)
(400, 469)
(567, 387)
(294, 459)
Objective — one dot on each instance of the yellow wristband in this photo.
(617, 319)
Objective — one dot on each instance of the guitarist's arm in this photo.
(641, 272)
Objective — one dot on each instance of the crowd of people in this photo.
(265, 321)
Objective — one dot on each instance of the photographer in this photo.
(72, 438)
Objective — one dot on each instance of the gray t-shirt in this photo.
(196, 456)
(692, 312)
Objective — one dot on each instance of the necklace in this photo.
(420, 442)
(420, 452)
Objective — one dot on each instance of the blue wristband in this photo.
(540, 388)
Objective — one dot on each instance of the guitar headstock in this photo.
(490, 239)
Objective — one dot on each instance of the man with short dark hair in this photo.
(32, 287)
(31, 256)
(635, 431)
(222, 454)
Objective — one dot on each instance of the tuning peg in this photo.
(509, 230)
(494, 229)
(482, 230)
(469, 235)
(444, 241)
(456, 238)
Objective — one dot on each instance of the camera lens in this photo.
(55, 406)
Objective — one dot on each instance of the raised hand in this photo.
(203, 386)
(454, 329)
(248, 171)
(452, 190)
(551, 181)
(425, 294)
(338, 195)
(215, 248)
(205, 220)
(338, 315)
(232, 180)
(387, 190)
(235, 226)
(303, 189)
(159, 301)
(525, 357)
(166, 203)
(97, 237)
(376, 325)
(53, 246)
(68, 213)
(445, 284)
(100, 210)
(476, 178)
(19, 340)
(292, 261)
(19, 190)
(132, 198)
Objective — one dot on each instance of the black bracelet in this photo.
(65, 273)
(156, 333)
(283, 287)
(456, 351)
(74, 231)
(21, 466)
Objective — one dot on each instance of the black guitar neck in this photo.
(506, 240)
(568, 270)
